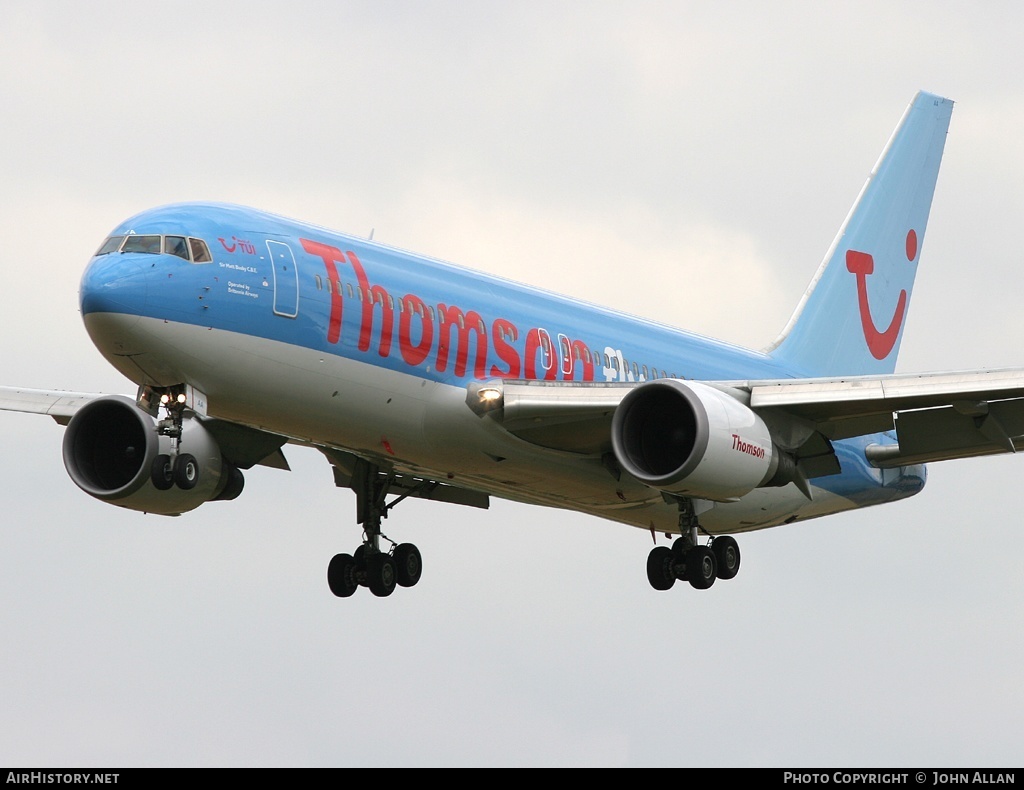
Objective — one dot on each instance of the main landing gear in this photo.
(689, 561)
(370, 565)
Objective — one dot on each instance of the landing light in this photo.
(484, 398)
(166, 399)
(490, 394)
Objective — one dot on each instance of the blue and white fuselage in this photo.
(339, 341)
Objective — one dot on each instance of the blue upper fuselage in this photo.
(270, 277)
(236, 269)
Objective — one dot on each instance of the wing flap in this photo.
(347, 471)
(964, 430)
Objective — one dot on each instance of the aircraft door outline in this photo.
(286, 279)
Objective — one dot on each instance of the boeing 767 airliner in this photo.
(245, 331)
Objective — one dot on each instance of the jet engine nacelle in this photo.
(110, 448)
(691, 439)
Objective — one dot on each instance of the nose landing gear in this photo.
(177, 468)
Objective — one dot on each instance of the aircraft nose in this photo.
(114, 283)
(112, 296)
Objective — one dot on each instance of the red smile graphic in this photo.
(862, 264)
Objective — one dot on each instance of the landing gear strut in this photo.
(690, 561)
(177, 468)
(370, 565)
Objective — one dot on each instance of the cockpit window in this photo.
(146, 244)
(175, 245)
(188, 248)
(110, 245)
(200, 252)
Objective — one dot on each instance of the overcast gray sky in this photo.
(688, 162)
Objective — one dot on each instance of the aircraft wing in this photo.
(936, 416)
(58, 404)
(245, 447)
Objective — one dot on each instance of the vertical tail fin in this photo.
(850, 320)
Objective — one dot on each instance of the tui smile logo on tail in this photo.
(880, 343)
